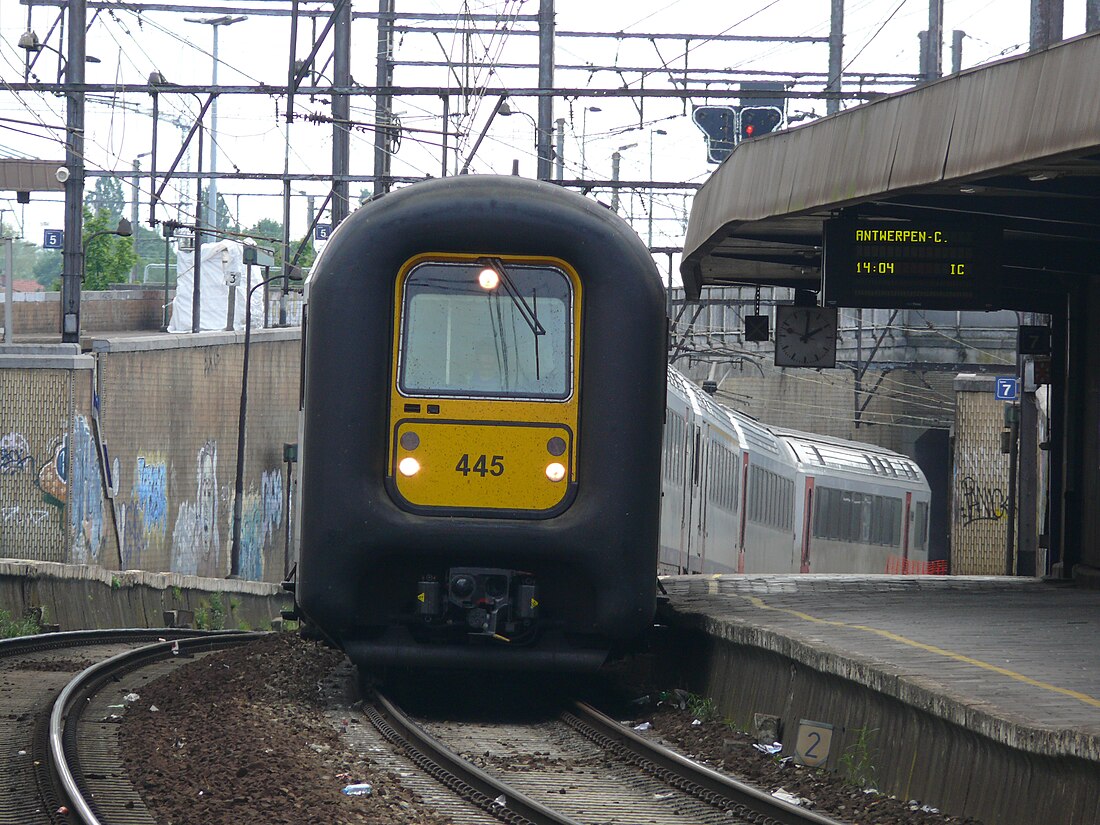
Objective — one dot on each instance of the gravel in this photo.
(241, 736)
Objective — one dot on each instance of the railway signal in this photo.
(754, 121)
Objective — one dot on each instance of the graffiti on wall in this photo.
(86, 505)
(261, 517)
(151, 493)
(196, 544)
(145, 517)
(981, 503)
(15, 454)
(70, 478)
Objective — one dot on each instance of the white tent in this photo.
(218, 260)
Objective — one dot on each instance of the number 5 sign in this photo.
(814, 739)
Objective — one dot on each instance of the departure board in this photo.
(949, 263)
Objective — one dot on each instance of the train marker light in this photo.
(555, 471)
(409, 466)
(489, 278)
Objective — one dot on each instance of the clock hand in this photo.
(810, 333)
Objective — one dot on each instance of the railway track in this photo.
(577, 767)
(48, 768)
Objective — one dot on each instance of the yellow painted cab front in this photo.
(484, 408)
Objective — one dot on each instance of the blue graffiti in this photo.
(252, 539)
(85, 496)
(151, 493)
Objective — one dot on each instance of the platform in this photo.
(1004, 670)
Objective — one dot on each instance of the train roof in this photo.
(749, 431)
(849, 456)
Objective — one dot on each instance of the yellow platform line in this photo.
(939, 651)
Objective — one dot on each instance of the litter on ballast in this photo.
(358, 789)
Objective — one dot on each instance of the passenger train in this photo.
(742, 497)
(483, 481)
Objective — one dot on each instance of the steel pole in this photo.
(546, 82)
(9, 289)
(72, 250)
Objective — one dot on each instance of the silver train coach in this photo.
(738, 496)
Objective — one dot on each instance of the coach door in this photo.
(689, 524)
(744, 512)
(905, 529)
(807, 521)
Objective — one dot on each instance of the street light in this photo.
(652, 132)
(238, 481)
(29, 42)
(507, 111)
(584, 134)
(212, 189)
(124, 230)
(615, 158)
(134, 207)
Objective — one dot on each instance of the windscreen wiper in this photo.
(530, 315)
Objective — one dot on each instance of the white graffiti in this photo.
(196, 544)
(20, 517)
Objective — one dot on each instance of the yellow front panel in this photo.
(481, 465)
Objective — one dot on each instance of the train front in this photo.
(483, 399)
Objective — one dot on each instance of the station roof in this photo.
(1018, 139)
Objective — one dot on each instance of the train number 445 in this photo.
(483, 465)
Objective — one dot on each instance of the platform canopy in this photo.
(18, 175)
(1017, 140)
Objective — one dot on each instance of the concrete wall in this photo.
(85, 597)
(147, 481)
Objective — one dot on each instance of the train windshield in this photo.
(487, 330)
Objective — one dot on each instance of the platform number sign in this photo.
(53, 238)
(1033, 340)
(1006, 389)
(814, 741)
(321, 231)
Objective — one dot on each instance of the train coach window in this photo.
(461, 337)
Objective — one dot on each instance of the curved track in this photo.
(34, 672)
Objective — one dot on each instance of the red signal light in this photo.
(749, 130)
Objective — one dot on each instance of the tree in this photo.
(107, 195)
(108, 258)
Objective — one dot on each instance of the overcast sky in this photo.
(880, 36)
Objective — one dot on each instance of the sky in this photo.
(880, 37)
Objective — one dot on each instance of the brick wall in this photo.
(167, 425)
(979, 513)
(39, 313)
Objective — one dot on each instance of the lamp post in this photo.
(212, 190)
(507, 111)
(134, 208)
(584, 134)
(238, 483)
(652, 132)
(124, 230)
(615, 158)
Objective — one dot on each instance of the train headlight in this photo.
(489, 278)
(409, 466)
(555, 471)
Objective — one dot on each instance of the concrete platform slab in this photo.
(1008, 665)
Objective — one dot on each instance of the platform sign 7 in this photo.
(1006, 389)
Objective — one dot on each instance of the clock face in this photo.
(805, 336)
